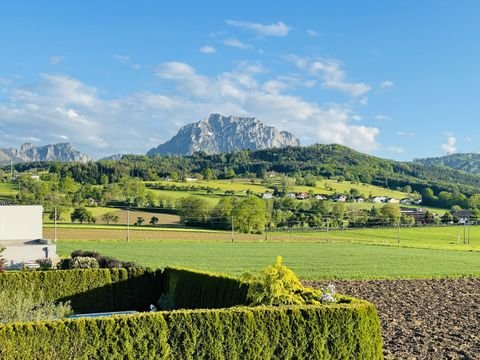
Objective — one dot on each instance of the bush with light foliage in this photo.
(28, 305)
(84, 262)
(278, 285)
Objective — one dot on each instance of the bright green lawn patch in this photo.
(212, 199)
(308, 260)
(8, 190)
(442, 237)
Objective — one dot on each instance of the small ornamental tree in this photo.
(278, 285)
(140, 220)
(154, 220)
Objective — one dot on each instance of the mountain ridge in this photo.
(218, 134)
(51, 152)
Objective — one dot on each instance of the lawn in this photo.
(438, 238)
(441, 237)
(308, 259)
(8, 190)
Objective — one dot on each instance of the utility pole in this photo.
(266, 225)
(128, 225)
(468, 237)
(55, 226)
(398, 233)
(327, 227)
(233, 231)
(465, 231)
(11, 170)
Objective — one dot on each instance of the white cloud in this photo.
(60, 108)
(187, 79)
(395, 149)
(387, 84)
(278, 30)
(312, 33)
(56, 59)
(61, 136)
(334, 77)
(363, 100)
(174, 70)
(406, 133)
(208, 50)
(121, 58)
(233, 42)
(449, 146)
(382, 118)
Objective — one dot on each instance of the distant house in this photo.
(320, 197)
(21, 234)
(379, 199)
(339, 198)
(358, 199)
(291, 196)
(463, 216)
(190, 179)
(417, 214)
(390, 200)
(267, 196)
(301, 195)
(35, 177)
(406, 201)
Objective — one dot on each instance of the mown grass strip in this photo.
(309, 260)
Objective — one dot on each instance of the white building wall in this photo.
(22, 223)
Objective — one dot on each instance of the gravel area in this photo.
(423, 319)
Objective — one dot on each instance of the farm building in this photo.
(21, 234)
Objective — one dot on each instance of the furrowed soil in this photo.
(423, 319)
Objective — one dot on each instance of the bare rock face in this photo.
(30, 153)
(218, 133)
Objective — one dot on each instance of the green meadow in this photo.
(310, 260)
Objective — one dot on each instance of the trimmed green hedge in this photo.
(190, 289)
(348, 330)
(91, 290)
(344, 331)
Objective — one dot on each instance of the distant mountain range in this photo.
(218, 133)
(468, 162)
(30, 153)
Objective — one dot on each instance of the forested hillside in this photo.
(328, 161)
(466, 162)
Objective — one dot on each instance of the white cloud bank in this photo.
(278, 30)
(59, 107)
(334, 77)
(449, 146)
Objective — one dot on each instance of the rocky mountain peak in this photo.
(218, 133)
(54, 152)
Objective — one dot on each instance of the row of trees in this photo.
(254, 215)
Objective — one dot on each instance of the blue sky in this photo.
(395, 79)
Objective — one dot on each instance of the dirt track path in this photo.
(423, 319)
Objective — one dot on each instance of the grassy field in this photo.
(8, 190)
(323, 187)
(438, 238)
(309, 260)
(164, 219)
